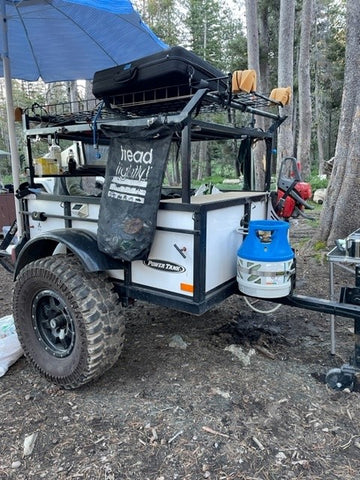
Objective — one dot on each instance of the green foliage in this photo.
(317, 182)
(214, 180)
(6, 179)
(316, 207)
(165, 19)
(203, 21)
(234, 45)
(319, 246)
(26, 95)
(215, 34)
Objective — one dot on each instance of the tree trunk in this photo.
(264, 45)
(195, 161)
(73, 96)
(319, 125)
(285, 76)
(338, 217)
(252, 36)
(88, 90)
(254, 64)
(320, 147)
(305, 115)
(345, 220)
(204, 166)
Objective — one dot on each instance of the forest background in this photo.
(267, 35)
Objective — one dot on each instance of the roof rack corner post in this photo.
(270, 146)
(186, 144)
(268, 162)
(186, 162)
(26, 126)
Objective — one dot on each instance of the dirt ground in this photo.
(164, 412)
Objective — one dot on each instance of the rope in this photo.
(271, 310)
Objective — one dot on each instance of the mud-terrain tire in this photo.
(69, 321)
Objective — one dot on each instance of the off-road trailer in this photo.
(66, 304)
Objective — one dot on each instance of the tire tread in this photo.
(96, 307)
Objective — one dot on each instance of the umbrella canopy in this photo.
(60, 40)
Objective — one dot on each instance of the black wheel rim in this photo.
(53, 324)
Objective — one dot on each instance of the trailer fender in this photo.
(82, 243)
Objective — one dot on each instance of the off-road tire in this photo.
(69, 321)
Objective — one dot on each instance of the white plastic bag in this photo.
(10, 348)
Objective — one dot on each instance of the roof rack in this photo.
(166, 100)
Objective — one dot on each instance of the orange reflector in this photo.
(187, 287)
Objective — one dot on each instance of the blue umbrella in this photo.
(59, 40)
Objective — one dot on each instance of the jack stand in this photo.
(356, 299)
(344, 377)
(340, 378)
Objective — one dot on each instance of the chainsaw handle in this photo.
(289, 164)
(290, 185)
(304, 215)
(300, 200)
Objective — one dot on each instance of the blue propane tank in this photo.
(265, 260)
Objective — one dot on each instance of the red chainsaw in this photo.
(292, 192)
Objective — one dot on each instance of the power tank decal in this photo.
(164, 266)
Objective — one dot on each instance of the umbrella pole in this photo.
(15, 162)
